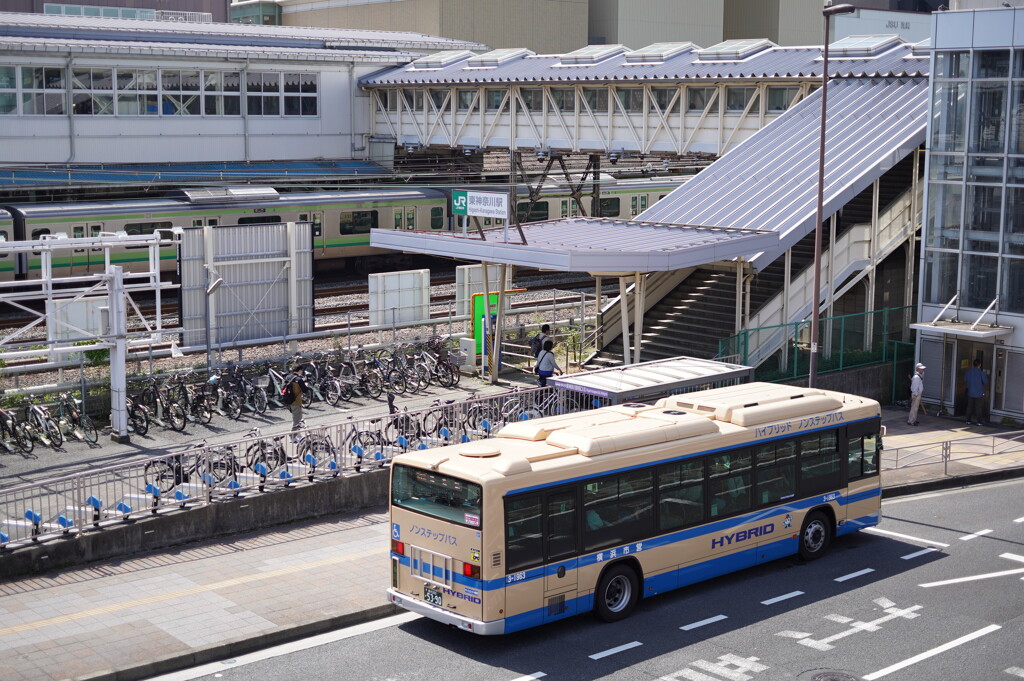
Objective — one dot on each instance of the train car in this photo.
(341, 220)
(8, 262)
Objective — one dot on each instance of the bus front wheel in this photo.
(815, 536)
(617, 593)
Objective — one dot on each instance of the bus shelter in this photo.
(649, 381)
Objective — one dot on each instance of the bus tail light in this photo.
(471, 571)
(398, 547)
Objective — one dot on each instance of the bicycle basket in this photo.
(262, 382)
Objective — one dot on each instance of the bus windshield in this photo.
(436, 495)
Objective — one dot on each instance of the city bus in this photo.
(592, 511)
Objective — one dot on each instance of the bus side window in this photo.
(523, 535)
(819, 463)
(775, 471)
(680, 494)
(561, 525)
(729, 483)
(862, 456)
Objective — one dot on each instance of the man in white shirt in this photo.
(916, 388)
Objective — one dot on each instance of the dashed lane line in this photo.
(613, 651)
(919, 540)
(783, 597)
(854, 575)
(697, 625)
(531, 677)
(932, 653)
(922, 552)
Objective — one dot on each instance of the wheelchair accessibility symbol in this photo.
(396, 531)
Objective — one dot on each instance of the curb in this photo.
(238, 647)
(952, 482)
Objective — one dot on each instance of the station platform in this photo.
(212, 601)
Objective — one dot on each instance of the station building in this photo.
(86, 90)
(972, 261)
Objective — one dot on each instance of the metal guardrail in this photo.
(963, 449)
(192, 478)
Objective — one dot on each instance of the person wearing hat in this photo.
(916, 389)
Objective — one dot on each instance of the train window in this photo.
(197, 222)
(78, 231)
(398, 218)
(318, 225)
(643, 202)
(134, 228)
(213, 222)
(410, 218)
(36, 234)
(487, 222)
(260, 220)
(357, 222)
(538, 212)
(436, 217)
(565, 208)
(3, 238)
(609, 208)
(633, 203)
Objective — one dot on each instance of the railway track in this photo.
(325, 293)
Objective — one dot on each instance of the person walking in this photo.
(977, 381)
(546, 365)
(537, 342)
(295, 386)
(916, 389)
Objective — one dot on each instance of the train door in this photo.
(86, 260)
(316, 218)
(7, 260)
(410, 218)
(35, 261)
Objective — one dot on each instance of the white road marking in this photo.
(791, 594)
(613, 651)
(531, 677)
(710, 620)
(289, 648)
(933, 652)
(979, 533)
(989, 575)
(915, 554)
(916, 497)
(1016, 671)
(1018, 520)
(854, 574)
(875, 530)
(1012, 556)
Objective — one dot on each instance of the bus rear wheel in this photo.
(617, 593)
(815, 536)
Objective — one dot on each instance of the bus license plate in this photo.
(432, 596)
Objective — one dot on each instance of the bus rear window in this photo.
(436, 495)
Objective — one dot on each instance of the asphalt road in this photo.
(934, 592)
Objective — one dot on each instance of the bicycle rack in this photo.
(33, 518)
(97, 506)
(66, 523)
(154, 491)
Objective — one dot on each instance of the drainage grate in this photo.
(833, 676)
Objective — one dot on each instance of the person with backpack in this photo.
(291, 395)
(537, 342)
(546, 365)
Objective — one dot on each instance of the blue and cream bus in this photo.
(593, 511)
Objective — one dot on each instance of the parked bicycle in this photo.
(210, 465)
(267, 451)
(192, 398)
(138, 416)
(13, 433)
(162, 409)
(41, 426)
(225, 401)
(73, 421)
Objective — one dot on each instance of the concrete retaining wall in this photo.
(223, 517)
(873, 381)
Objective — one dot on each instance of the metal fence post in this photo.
(946, 449)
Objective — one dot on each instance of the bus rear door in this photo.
(560, 537)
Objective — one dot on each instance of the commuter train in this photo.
(341, 220)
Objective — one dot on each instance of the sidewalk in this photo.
(155, 613)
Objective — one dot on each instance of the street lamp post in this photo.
(211, 287)
(812, 369)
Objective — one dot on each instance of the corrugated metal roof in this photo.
(770, 179)
(777, 62)
(59, 26)
(651, 380)
(588, 245)
(143, 48)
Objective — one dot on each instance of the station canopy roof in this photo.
(595, 245)
(650, 381)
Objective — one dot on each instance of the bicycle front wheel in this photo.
(162, 474)
(373, 384)
(259, 400)
(395, 381)
(138, 419)
(232, 406)
(176, 416)
(332, 391)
